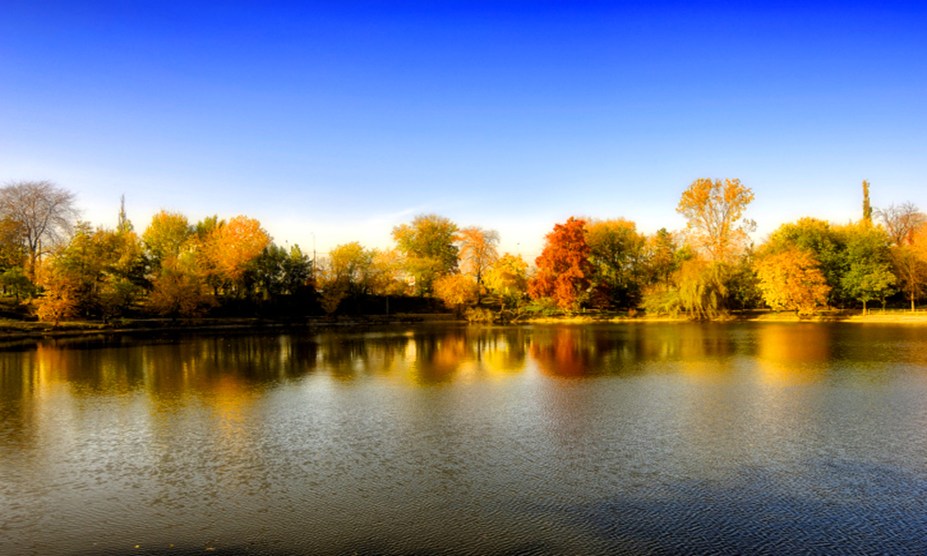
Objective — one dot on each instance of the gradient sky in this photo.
(333, 122)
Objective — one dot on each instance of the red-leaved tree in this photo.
(563, 267)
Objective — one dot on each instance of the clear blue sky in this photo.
(336, 121)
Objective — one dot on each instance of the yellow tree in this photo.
(348, 264)
(179, 291)
(60, 298)
(791, 280)
(166, 235)
(714, 211)
(231, 246)
(910, 263)
(507, 278)
(477, 251)
(456, 290)
(386, 273)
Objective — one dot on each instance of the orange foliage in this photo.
(232, 246)
(563, 267)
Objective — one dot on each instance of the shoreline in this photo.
(30, 330)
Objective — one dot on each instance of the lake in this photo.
(673, 438)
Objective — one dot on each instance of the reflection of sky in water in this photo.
(553, 439)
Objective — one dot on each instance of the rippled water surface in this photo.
(620, 439)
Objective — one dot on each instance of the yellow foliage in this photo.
(714, 209)
(60, 298)
(456, 290)
(792, 280)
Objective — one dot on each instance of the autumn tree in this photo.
(178, 291)
(507, 279)
(386, 273)
(616, 254)
(824, 242)
(59, 298)
(713, 210)
(428, 249)
(791, 280)
(177, 284)
(909, 262)
(97, 272)
(477, 252)
(166, 236)
(349, 264)
(12, 249)
(42, 213)
(456, 290)
(901, 222)
(563, 268)
(229, 248)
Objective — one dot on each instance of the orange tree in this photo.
(563, 267)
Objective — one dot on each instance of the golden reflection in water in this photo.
(698, 350)
(792, 354)
(562, 352)
(449, 355)
(502, 353)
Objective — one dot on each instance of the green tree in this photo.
(277, 272)
(826, 244)
(616, 253)
(428, 249)
(869, 275)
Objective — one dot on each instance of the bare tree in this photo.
(44, 212)
(901, 222)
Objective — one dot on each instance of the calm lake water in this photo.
(618, 439)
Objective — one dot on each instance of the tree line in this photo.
(56, 267)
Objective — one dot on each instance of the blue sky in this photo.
(334, 121)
